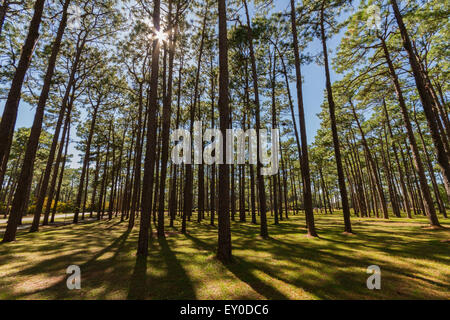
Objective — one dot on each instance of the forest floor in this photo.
(60, 219)
(414, 261)
(29, 218)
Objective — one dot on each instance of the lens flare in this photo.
(161, 36)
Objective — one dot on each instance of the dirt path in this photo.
(30, 218)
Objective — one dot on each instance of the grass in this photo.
(414, 262)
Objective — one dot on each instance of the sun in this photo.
(161, 36)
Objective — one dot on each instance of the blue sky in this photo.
(313, 90)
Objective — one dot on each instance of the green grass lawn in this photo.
(414, 262)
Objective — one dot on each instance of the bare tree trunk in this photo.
(334, 131)
(188, 194)
(274, 126)
(9, 116)
(428, 203)
(51, 191)
(224, 232)
(213, 166)
(51, 156)
(61, 176)
(307, 196)
(86, 161)
(430, 169)
(149, 162)
(390, 181)
(376, 178)
(260, 179)
(167, 112)
(426, 100)
(173, 194)
(401, 175)
(137, 162)
(26, 174)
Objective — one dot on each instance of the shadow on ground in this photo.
(414, 262)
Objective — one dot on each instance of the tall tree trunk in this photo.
(430, 169)
(425, 98)
(137, 161)
(401, 175)
(85, 162)
(167, 112)
(104, 178)
(26, 174)
(149, 163)
(259, 177)
(70, 86)
(428, 203)
(51, 191)
(61, 176)
(188, 188)
(213, 166)
(127, 190)
(224, 232)
(157, 163)
(113, 173)
(173, 193)
(376, 178)
(304, 161)
(9, 116)
(274, 126)
(334, 131)
(285, 189)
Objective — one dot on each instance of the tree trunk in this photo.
(188, 188)
(9, 116)
(85, 162)
(304, 161)
(167, 112)
(260, 179)
(56, 168)
(274, 126)
(213, 166)
(51, 156)
(425, 98)
(430, 169)
(401, 175)
(337, 151)
(376, 178)
(428, 203)
(26, 174)
(137, 162)
(173, 192)
(61, 176)
(149, 163)
(224, 232)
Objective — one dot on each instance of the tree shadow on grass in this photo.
(138, 284)
(175, 284)
(243, 270)
(340, 277)
(176, 273)
(55, 264)
(59, 264)
(345, 284)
